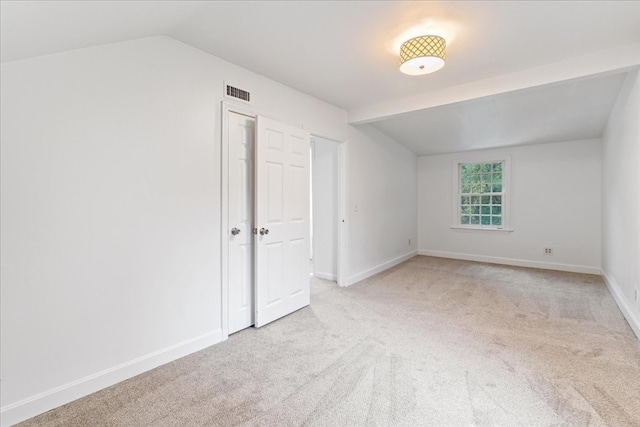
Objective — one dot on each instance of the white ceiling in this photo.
(344, 52)
(567, 111)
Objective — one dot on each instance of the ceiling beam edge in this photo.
(612, 60)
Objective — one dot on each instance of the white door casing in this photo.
(282, 197)
(241, 137)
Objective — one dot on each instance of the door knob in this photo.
(264, 231)
(235, 231)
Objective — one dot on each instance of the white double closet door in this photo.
(268, 220)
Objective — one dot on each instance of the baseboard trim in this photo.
(326, 276)
(513, 261)
(627, 312)
(45, 401)
(380, 267)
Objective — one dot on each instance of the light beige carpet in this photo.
(429, 342)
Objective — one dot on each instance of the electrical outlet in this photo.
(409, 242)
(547, 251)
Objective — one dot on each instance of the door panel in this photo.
(241, 131)
(282, 210)
(274, 280)
(299, 264)
(275, 186)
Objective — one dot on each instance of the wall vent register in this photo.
(237, 93)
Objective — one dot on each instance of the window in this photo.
(481, 194)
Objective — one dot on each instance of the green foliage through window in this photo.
(480, 188)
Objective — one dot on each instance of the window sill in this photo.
(492, 230)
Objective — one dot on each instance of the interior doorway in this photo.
(266, 213)
(265, 219)
(325, 159)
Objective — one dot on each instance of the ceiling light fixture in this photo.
(422, 55)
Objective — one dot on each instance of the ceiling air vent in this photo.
(236, 93)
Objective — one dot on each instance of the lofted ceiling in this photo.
(566, 111)
(516, 72)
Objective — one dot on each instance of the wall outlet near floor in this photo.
(409, 242)
(547, 251)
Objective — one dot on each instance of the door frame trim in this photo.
(342, 243)
(227, 107)
(343, 211)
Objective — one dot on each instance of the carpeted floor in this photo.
(428, 342)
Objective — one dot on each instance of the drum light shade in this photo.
(422, 55)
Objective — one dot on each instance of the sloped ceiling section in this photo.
(36, 28)
(571, 110)
(345, 53)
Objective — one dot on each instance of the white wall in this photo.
(325, 208)
(620, 201)
(111, 211)
(555, 202)
(381, 208)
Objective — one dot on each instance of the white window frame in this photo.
(506, 193)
